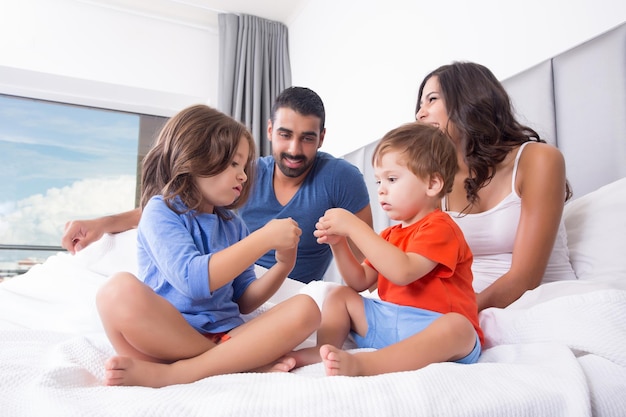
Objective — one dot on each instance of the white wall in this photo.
(364, 58)
(367, 58)
(80, 52)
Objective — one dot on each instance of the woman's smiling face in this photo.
(433, 110)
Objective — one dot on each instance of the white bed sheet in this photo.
(550, 354)
(560, 350)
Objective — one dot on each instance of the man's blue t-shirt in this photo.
(331, 182)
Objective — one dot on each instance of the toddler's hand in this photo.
(333, 226)
(324, 237)
(336, 221)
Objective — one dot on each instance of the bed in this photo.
(560, 350)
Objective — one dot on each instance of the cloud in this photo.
(40, 219)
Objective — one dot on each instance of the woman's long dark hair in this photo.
(481, 111)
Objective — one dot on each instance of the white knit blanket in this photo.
(558, 351)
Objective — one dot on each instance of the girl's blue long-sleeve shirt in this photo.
(173, 257)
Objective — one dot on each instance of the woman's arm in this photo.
(541, 184)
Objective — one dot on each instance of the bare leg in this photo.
(261, 343)
(450, 337)
(342, 311)
(144, 325)
(120, 370)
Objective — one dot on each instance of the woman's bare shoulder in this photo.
(541, 155)
(541, 167)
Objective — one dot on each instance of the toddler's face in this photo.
(401, 194)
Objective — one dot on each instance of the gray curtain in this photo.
(254, 68)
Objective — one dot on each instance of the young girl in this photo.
(427, 310)
(195, 256)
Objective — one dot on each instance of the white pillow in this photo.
(112, 253)
(596, 233)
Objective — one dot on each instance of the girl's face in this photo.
(402, 195)
(224, 188)
(433, 109)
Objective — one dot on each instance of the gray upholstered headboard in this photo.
(576, 101)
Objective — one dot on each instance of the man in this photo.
(300, 182)
(296, 181)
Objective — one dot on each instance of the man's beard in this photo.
(293, 172)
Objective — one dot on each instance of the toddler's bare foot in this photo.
(338, 362)
(122, 370)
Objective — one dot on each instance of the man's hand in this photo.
(80, 233)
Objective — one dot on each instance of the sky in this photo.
(60, 162)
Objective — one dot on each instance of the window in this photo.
(62, 162)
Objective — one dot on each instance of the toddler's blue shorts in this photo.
(389, 323)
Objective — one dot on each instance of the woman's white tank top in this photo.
(491, 236)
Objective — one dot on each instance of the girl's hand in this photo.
(283, 234)
(287, 257)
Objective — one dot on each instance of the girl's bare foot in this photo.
(284, 364)
(306, 356)
(338, 362)
(122, 370)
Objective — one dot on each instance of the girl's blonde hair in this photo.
(199, 141)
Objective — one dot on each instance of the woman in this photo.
(509, 193)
